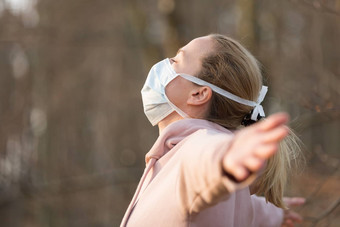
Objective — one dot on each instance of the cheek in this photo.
(177, 91)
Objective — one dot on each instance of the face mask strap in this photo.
(178, 110)
(258, 109)
(173, 75)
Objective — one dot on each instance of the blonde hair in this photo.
(233, 68)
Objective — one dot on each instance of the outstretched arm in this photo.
(215, 165)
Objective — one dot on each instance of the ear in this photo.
(199, 96)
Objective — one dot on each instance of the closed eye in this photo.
(180, 50)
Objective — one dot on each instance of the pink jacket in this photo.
(183, 183)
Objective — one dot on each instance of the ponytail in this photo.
(271, 183)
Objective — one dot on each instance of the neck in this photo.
(174, 116)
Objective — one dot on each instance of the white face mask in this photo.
(157, 106)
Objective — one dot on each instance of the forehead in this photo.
(200, 46)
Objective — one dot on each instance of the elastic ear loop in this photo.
(178, 110)
(258, 109)
(174, 75)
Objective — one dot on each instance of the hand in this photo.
(290, 217)
(253, 145)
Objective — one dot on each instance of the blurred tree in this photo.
(73, 134)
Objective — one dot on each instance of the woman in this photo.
(202, 171)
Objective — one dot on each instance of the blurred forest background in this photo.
(73, 134)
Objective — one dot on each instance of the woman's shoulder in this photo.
(196, 133)
(210, 136)
(196, 123)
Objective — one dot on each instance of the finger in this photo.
(266, 150)
(274, 135)
(253, 163)
(240, 173)
(272, 121)
(294, 201)
(237, 171)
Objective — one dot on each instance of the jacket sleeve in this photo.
(265, 213)
(201, 182)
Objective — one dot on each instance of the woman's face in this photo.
(188, 60)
